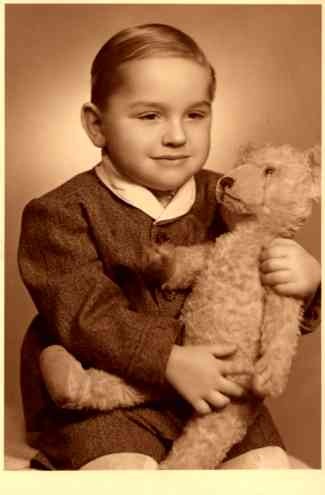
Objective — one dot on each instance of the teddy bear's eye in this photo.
(269, 170)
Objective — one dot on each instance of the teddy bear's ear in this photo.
(314, 158)
(244, 152)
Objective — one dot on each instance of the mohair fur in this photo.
(268, 194)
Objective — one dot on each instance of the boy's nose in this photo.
(174, 135)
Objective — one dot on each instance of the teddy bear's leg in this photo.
(279, 342)
(176, 267)
(207, 439)
(71, 386)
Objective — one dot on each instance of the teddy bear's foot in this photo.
(72, 387)
(267, 377)
(65, 379)
(206, 440)
(108, 391)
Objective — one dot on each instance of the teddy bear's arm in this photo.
(176, 267)
(72, 387)
(280, 332)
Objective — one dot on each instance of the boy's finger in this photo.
(273, 252)
(201, 407)
(217, 399)
(286, 289)
(273, 265)
(275, 278)
(220, 350)
(228, 387)
(282, 241)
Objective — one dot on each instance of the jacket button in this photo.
(169, 295)
(162, 237)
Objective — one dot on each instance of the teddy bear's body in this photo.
(267, 195)
(228, 296)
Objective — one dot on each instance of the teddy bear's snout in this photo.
(226, 182)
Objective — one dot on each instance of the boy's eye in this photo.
(196, 115)
(149, 116)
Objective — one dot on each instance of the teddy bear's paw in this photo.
(268, 378)
(263, 373)
(64, 377)
(158, 262)
(109, 391)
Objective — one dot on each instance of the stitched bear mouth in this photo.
(234, 204)
(231, 196)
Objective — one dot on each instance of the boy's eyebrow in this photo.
(145, 104)
(202, 103)
(151, 104)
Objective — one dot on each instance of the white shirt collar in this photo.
(142, 198)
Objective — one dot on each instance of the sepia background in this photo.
(268, 65)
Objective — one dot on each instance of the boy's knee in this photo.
(122, 460)
(262, 458)
(273, 458)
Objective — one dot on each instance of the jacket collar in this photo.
(142, 198)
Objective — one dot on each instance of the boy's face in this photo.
(157, 124)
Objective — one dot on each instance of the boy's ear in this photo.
(91, 122)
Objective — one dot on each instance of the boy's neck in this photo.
(164, 197)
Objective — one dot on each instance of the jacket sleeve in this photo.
(83, 308)
(312, 314)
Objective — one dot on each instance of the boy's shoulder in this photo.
(81, 185)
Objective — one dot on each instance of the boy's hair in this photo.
(139, 42)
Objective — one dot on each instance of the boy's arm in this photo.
(312, 314)
(292, 271)
(83, 308)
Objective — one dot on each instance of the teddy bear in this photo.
(268, 194)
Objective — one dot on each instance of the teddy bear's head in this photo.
(272, 185)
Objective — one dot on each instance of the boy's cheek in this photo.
(201, 142)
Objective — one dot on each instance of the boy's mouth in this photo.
(171, 157)
(171, 161)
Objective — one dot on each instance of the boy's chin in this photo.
(169, 186)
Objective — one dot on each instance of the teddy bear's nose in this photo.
(226, 182)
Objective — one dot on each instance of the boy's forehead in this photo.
(164, 77)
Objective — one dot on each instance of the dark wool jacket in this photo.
(80, 259)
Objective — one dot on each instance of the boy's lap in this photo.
(120, 461)
(75, 444)
(262, 458)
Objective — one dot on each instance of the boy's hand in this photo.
(290, 269)
(199, 376)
